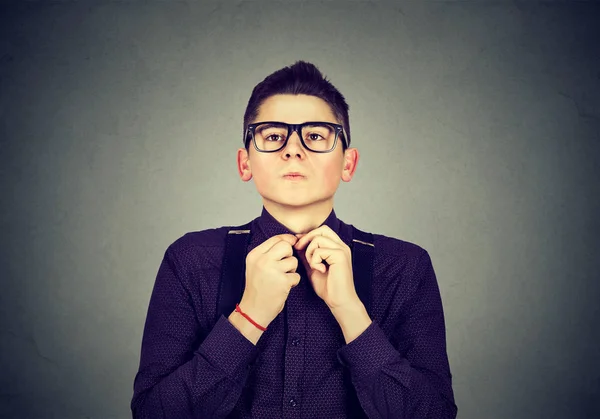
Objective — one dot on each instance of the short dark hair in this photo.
(302, 78)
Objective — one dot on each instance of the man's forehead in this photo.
(295, 109)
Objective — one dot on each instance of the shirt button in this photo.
(293, 402)
(295, 341)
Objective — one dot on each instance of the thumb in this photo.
(302, 257)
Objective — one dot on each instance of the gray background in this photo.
(478, 126)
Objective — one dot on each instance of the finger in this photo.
(305, 263)
(318, 242)
(322, 256)
(324, 231)
(329, 233)
(293, 279)
(265, 246)
(306, 238)
(280, 250)
(289, 264)
(308, 265)
(302, 258)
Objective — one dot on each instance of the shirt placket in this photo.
(294, 349)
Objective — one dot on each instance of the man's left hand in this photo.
(328, 263)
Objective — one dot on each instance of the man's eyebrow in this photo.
(272, 125)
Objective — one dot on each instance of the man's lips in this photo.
(293, 175)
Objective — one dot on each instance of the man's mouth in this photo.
(293, 175)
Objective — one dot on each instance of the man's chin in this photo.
(292, 202)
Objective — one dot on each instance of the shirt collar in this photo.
(271, 227)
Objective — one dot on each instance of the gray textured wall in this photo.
(478, 125)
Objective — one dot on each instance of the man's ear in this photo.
(351, 157)
(243, 163)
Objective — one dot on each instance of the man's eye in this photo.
(274, 137)
(314, 137)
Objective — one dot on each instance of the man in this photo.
(300, 342)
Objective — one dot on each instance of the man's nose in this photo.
(294, 142)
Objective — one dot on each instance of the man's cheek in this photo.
(331, 178)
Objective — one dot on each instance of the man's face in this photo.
(321, 171)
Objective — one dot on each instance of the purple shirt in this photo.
(192, 367)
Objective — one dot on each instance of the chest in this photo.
(297, 373)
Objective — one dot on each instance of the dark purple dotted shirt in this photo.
(192, 367)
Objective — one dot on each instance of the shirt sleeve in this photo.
(411, 379)
(182, 375)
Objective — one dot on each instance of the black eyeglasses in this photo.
(272, 136)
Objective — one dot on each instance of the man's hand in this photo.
(270, 275)
(328, 263)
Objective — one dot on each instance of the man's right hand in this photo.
(270, 275)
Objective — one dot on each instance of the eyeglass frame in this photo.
(297, 128)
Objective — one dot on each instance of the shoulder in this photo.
(208, 243)
(212, 237)
(393, 255)
(393, 246)
(396, 255)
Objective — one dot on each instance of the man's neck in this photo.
(300, 219)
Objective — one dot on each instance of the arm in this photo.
(180, 375)
(411, 380)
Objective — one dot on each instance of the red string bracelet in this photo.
(258, 326)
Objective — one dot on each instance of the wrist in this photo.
(255, 310)
(353, 306)
(247, 329)
(353, 319)
(238, 309)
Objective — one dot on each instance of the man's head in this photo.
(295, 95)
(302, 78)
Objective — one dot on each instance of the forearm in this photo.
(247, 329)
(195, 389)
(208, 385)
(353, 320)
(390, 398)
(388, 386)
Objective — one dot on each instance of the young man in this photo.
(301, 341)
